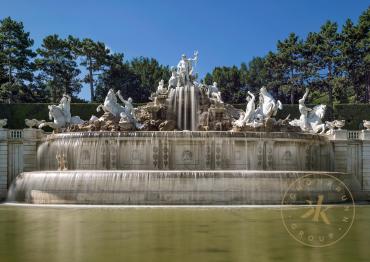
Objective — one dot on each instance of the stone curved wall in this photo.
(187, 151)
(167, 187)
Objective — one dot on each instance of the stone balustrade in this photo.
(18, 151)
(352, 154)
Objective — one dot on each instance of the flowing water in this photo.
(83, 233)
(184, 105)
(165, 187)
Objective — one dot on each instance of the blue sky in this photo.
(224, 32)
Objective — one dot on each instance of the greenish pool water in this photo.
(29, 233)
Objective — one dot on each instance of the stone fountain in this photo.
(185, 147)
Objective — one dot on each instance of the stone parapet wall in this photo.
(177, 150)
(350, 152)
(3, 162)
(18, 153)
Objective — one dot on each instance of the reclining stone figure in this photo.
(311, 118)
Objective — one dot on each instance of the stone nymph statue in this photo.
(266, 109)
(214, 94)
(311, 118)
(126, 113)
(268, 106)
(248, 116)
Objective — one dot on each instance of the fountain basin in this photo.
(166, 187)
(184, 150)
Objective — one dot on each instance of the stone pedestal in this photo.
(365, 135)
(340, 147)
(339, 135)
(3, 163)
(30, 138)
(352, 155)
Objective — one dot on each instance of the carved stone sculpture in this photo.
(331, 126)
(3, 122)
(62, 162)
(111, 105)
(339, 124)
(172, 83)
(334, 124)
(303, 109)
(268, 106)
(366, 124)
(248, 116)
(61, 114)
(214, 94)
(129, 111)
(185, 69)
(160, 96)
(310, 119)
(32, 123)
(314, 120)
(161, 89)
(65, 106)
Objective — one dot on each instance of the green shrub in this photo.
(354, 114)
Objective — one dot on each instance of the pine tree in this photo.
(364, 47)
(118, 76)
(289, 52)
(150, 72)
(326, 43)
(95, 58)
(15, 60)
(58, 66)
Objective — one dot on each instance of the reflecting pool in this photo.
(82, 233)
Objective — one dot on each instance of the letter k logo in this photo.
(317, 212)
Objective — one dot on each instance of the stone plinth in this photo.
(366, 159)
(31, 137)
(3, 162)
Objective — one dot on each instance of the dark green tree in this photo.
(208, 80)
(229, 83)
(136, 79)
(15, 60)
(276, 78)
(256, 74)
(289, 54)
(326, 45)
(58, 67)
(118, 76)
(95, 58)
(150, 72)
(364, 47)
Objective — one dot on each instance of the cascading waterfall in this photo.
(184, 106)
(172, 167)
(156, 187)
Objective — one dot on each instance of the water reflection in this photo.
(165, 234)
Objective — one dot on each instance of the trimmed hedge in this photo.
(354, 114)
(16, 113)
